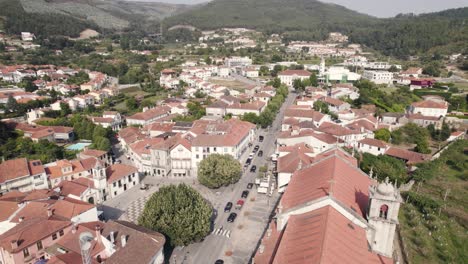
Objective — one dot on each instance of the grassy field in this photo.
(440, 234)
(233, 84)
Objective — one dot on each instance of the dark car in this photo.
(245, 194)
(256, 148)
(232, 217)
(253, 168)
(249, 186)
(260, 153)
(228, 207)
(260, 138)
(219, 261)
(248, 161)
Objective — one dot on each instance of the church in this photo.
(332, 212)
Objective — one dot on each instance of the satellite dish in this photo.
(85, 240)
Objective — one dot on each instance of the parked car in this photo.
(248, 161)
(239, 204)
(253, 168)
(245, 194)
(260, 153)
(232, 217)
(256, 149)
(228, 207)
(219, 261)
(249, 185)
(260, 138)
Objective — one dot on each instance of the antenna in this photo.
(85, 239)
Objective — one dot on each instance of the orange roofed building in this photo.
(332, 212)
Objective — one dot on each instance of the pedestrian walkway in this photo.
(221, 232)
(135, 209)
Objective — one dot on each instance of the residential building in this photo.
(378, 77)
(288, 76)
(430, 107)
(350, 218)
(22, 175)
(149, 116)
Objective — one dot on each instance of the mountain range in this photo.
(400, 36)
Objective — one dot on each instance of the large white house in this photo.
(288, 76)
(378, 77)
(434, 108)
(23, 175)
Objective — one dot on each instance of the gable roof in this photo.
(118, 171)
(324, 236)
(295, 72)
(133, 252)
(332, 173)
(28, 232)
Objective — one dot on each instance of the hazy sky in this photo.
(380, 8)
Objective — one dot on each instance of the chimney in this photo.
(111, 235)
(123, 240)
(74, 229)
(14, 244)
(98, 234)
(49, 212)
(21, 219)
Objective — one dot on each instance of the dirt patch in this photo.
(88, 33)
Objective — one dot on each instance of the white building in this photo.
(378, 77)
(288, 76)
(238, 61)
(429, 108)
(372, 146)
(23, 175)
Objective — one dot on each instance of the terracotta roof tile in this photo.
(118, 171)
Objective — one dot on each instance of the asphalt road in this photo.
(212, 248)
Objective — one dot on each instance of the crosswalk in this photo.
(222, 232)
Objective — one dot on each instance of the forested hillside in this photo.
(69, 17)
(401, 36)
(298, 19)
(17, 20)
(445, 32)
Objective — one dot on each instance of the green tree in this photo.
(250, 117)
(382, 134)
(422, 146)
(179, 212)
(264, 70)
(298, 85)
(218, 170)
(11, 105)
(131, 103)
(313, 79)
(321, 107)
(64, 109)
(384, 166)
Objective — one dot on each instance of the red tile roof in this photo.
(29, 232)
(118, 171)
(350, 185)
(373, 142)
(295, 72)
(430, 104)
(324, 236)
(17, 168)
(7, 208)
(410, 156)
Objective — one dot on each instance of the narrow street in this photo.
(241, 236)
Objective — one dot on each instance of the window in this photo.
(383, 211)
(54, 236)
(37, 177)
(197, 156)
(114, 184)
(39, 245)
(61, 232)
(115, 193)
(26, 252)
